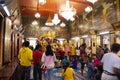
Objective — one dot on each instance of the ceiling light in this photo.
(67, 12)
(72, 19)
(92, 1)
(62, 24)
(42, 2)
(49, 22)
(34, 23)
(37, 15)
(56, 20)
(88, 9)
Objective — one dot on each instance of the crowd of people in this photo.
(102, 65)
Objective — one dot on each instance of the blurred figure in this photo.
(37, 55)
(72, 52)
(99, 49)
(106, 48)
(77, 53)
(64, 61)
(25, 57)
(61, 53)
(68, 73)
(100, 55)
(99, 72)
(89, 51)
(96, 61)
(111, 64)
(74, 63)
(49, 59)
(83, 57)
(90, 72)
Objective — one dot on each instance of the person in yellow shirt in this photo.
(72, 52)
(25, 57)
(68, 72)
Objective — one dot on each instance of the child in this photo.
(90, 67)
(64, 61)
(68, 73)
(74, 63)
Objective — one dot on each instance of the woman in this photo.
(48, 59)
(37, 55)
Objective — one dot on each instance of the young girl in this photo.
(68, 73)
(49, 59)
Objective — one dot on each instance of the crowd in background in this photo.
(44, 61)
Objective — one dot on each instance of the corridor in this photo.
(81, 30)
(9, 72)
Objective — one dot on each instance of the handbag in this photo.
(43, 68)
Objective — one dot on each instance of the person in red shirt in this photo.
(61, 53)
(37, 55)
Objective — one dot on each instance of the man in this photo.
(25, 57)
(111, 64)
(106, 48)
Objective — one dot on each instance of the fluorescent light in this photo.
(84, 36)
(92, 1)
(75, 38)
(104, 32)
(6, 9)
(61, 39)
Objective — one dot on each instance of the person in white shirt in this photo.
(77, 53)
(111, 64)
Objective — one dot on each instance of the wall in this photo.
(1, 37)
(7, 42)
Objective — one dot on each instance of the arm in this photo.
(30, 55)
(43, 57)
(55, 59)
(73, 74)
(116, 70)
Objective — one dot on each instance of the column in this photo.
(94, 43)
(118, 9)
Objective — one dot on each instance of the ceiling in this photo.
(103, 16)
(30, 7)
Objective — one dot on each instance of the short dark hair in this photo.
(115, 47)
(38, 47)
(26, 43)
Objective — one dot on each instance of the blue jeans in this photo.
(48, 74)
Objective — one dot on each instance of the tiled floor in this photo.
(8, 70)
